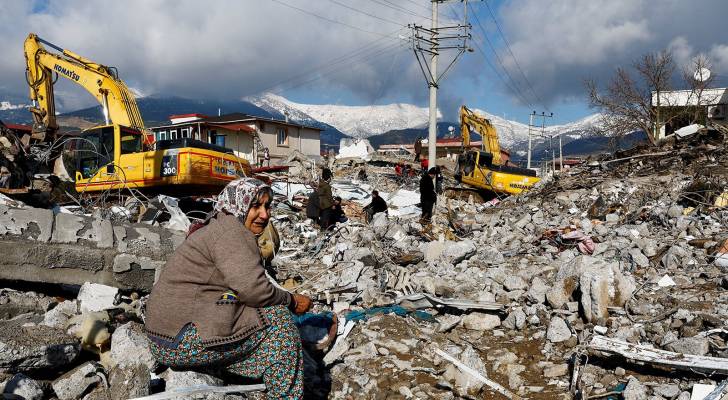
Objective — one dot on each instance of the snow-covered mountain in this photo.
(354, 121)
(366, 121)
(513, 133)
(6, 105)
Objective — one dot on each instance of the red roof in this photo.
(187, 116)
(19, 127)
(235, 126)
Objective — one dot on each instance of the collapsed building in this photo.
(606, 280)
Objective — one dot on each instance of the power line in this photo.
(508, 46)
(500, 61)
(331, 20)
(514, 89)
(372, 56)
(366, 13)
(419, 5)
(401, 9)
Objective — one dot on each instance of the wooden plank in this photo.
(657, 357)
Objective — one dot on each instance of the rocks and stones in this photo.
(558, 331)
(514, 282)
(515, 320)
(537, 291)
(456, 252)
(481, 322)
(555, 371)
(97, 297)
(129, 382)
(25, 387)
(635, 390)
(58, 316)
(130, 347)
(24, 349)
(667, 391)
(698, 346)
(73, 384)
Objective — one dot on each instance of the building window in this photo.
(220, 140)
(173, 134)
(185, 133)
(196, 134)
(282, 137)
(162, 135)
(262, 125)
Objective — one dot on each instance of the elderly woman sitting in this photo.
(214, 306)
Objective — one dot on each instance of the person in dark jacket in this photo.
(326, 200)
(338, 212)
(428, 197)
(312, 207)
(377, 205)
(213, 305)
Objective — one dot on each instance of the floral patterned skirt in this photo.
(273, 353)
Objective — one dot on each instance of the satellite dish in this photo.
(702, 74)
(450, 128)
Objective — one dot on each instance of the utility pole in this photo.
(561, 154)
(543, 116)
(530, 124)
(429, 43)
(432, 133)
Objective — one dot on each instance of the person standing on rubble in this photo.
(214, 306)
(418, 149)
(266, 157)
(428, 197)
(326, 200)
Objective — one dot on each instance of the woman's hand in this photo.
(300, 303)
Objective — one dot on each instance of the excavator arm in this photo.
(102, 82)
(469, 120)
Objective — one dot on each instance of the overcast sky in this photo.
(231, 49)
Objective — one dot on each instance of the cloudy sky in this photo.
(528, 54)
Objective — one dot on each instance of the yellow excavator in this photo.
(484, 169)
(115, 155)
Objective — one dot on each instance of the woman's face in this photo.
(258, 214)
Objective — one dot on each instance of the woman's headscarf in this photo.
(237, 197)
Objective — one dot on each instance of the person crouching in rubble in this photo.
(338, 211)
(428, 197)
(377, 205)
(326, 200)
(214, 306)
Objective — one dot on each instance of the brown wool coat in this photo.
(219, 257)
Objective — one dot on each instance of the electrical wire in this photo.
(395, 47)
(367, 14)
(498, 58)
(332, 20)
(508, 46)
(329, 63)
(401, 9)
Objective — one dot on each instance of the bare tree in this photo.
(627, 101)
(698, 78)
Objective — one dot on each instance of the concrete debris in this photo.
(23, 386)
(73, 384)
(96, 297)
(533, 296)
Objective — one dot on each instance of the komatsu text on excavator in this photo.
(113, 156)
(484, 169)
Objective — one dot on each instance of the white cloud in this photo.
(559, 43)
(221, 49)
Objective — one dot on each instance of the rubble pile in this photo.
(609, 279)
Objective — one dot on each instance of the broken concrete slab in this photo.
(66, 228)
(130, 347)
(23, 386)
(96, 297)
(26, 349)
(73, 384)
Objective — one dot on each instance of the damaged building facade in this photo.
(247, 136)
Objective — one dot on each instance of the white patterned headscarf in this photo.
(237, 197)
